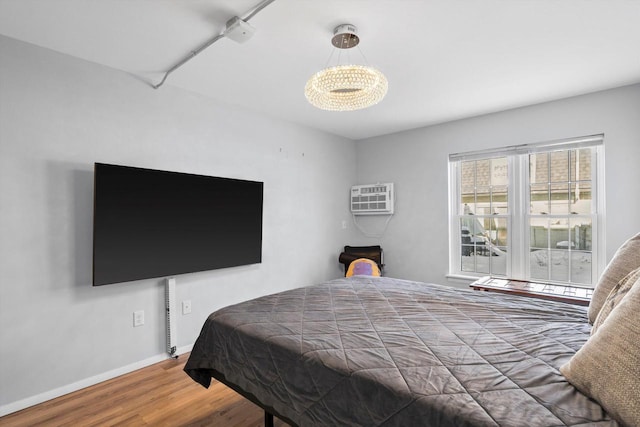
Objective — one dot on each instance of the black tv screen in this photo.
(150, 223)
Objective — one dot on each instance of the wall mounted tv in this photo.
(151, 223)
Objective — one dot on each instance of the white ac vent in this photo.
(372, 199)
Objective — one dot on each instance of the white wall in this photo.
(59, 115)
(416, 242)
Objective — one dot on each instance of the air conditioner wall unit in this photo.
(372, 199)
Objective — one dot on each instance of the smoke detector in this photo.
(238, 30)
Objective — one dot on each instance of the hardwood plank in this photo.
(158, 395)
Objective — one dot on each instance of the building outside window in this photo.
(530, 212)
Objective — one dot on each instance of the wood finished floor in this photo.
(158, 395)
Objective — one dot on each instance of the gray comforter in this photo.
(386, 352)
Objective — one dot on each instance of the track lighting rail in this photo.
(211, 41)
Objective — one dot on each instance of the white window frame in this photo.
(518, 239)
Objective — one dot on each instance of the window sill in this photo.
(461, 278)
(562, 293)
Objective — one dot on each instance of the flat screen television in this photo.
(151, 223)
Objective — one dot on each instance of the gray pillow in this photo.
(607, 367)
(626, 258)
(615, 296)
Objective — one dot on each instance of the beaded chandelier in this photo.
(346, 87)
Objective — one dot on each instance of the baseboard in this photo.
(87, 382)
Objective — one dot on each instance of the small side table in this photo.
(563, 293)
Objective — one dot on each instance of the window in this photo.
(483, 214)
(530, 212)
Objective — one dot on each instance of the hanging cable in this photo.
(193, 53)
(366, 233)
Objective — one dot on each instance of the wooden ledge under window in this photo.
(563, 293)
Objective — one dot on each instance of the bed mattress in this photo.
(367, 351)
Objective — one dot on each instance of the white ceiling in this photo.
(444, 59)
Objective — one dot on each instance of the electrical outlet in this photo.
(138, 318)
(186, 306)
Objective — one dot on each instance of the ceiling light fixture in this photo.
(346, 87)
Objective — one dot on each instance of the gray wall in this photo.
(416, 241)
(59, 115)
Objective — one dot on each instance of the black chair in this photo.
(352, 253)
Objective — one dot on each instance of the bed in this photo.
(378, 351)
